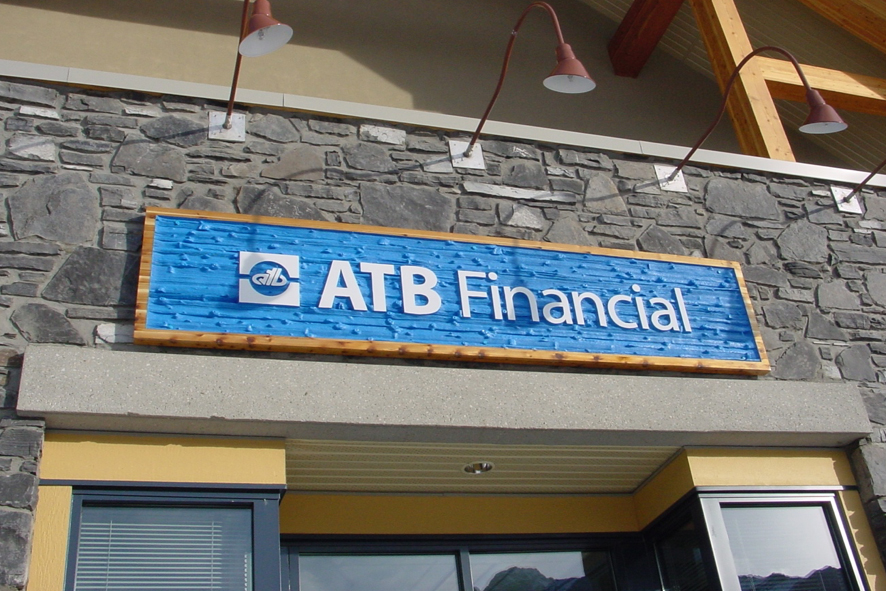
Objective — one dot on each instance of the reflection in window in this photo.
(784, 548)
(543, 571)
(680, 560)
(377, 573)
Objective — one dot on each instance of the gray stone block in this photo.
(875, 282)
(80, 159)
(58, 129)
(18, 490)
(836, 296)
(95, 277)
(802, 241)
(783, 315)
(144, 158)
(104, 132)
(855, 364)
(568, 231)
(21, 442)
(765, 276)
(203, 203)
(657, 240)
(21, 288)
(683, 217)
(419, 208)
(331, 128)
(730, 197)
(303, 163)
(799, 362)
(256, 200)
(602, 196)
(859, 254)
(15, 536)
(521, 216)
(88, 146)
(369, 157)
(820, 327)
(99, 104)
(111, 121)
(524, 173)
(274, 128)
(179, 131)
(39, 323)
(28, 93)
(60, 207)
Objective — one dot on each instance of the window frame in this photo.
(631, 559)
(710, 506)
(263, 505)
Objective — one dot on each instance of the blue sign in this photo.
(307, 285)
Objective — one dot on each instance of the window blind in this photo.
(163, 548)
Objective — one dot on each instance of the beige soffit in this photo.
(812, 38)
(409, 467)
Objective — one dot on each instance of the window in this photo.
(173, 541)
(465, 565)
(774, 541)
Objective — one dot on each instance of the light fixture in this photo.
(259, 35)
(569, 76)
(822, 117)
(479, 467)
(846, 199)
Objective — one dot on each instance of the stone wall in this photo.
(79, 167)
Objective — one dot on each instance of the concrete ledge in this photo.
(182, 392)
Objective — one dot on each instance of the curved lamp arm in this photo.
(259, 35)
(861, 185)
(569, 76)
(822, 117)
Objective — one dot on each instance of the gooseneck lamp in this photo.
(569, 76)
(259, 35)
(822, 117)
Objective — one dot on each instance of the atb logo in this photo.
(269, 279)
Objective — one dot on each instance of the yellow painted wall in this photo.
(69, 456)
(50, 545)
(861, 533)
(439, 515)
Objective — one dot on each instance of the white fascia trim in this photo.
(336, 108)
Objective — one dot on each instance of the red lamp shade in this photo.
(264, 33)
(569, 76)
(822, 117)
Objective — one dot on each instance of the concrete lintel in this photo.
(184, 392)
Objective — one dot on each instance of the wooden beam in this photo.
(842, 90)
(754, 118)
(866, 19)
(638, 34)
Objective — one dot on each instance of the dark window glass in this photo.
(784, 548)
(396, 572)
(139, 548)
(680, 560)
(542, 571)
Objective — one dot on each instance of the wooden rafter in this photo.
(756, 122)
(850, 92)
(866, 19)
(639, 32)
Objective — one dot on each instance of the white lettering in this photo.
(424, 289)
(668, 312)
(562, 306)
(341, 271)
(510, 292)
(614, 315)
(578, 298)
(641, 308)
(464, 294)
(377, 272)
(682, 307)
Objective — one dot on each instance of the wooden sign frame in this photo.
(257, 342)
